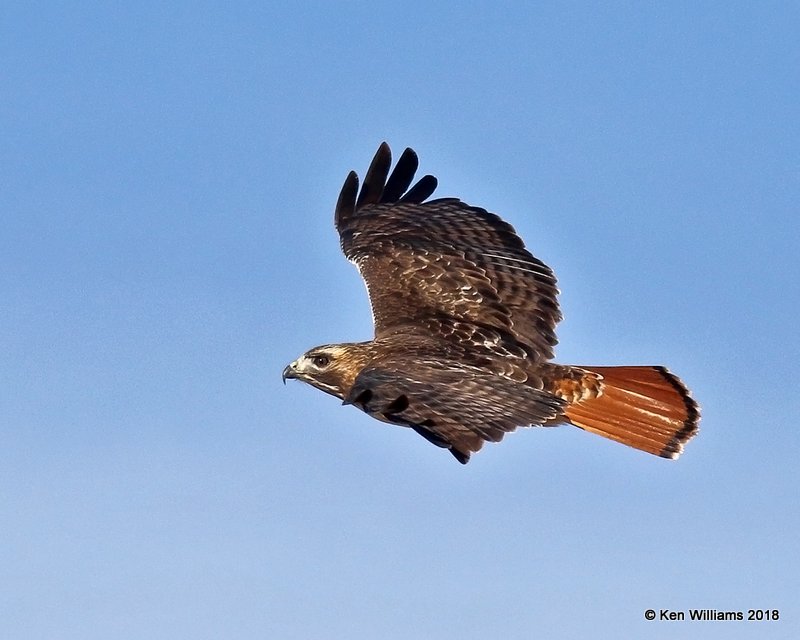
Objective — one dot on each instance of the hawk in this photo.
(465, 323)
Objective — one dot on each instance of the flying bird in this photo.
(465, 323)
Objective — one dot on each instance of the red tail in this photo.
(644, 407)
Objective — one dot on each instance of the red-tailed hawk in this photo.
(464, 330)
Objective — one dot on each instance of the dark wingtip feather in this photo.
(376, 176)
(401, 177)
(376, 188)
(346, 204)
(421, 191)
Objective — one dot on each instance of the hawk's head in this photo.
(331, 368)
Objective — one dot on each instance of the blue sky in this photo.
(168, 179)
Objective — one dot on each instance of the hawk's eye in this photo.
(320, 361)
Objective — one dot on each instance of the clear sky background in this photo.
(168, 173)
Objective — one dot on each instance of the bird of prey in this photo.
(465, 324)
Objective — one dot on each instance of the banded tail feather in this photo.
(647, 408)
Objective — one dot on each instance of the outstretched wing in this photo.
(451, 404)
(428, 264)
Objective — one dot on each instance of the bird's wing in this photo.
(441, 260)
(453, 405)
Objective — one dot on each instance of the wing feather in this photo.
(376, 176)
(402, 177)
(442, 259)
(346, 204)
(451, 404)
(421, 191)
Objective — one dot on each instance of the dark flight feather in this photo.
(401, 178)
(374, 181)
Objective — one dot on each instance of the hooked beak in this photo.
(288, 372)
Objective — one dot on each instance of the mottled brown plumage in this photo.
(465, 323)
